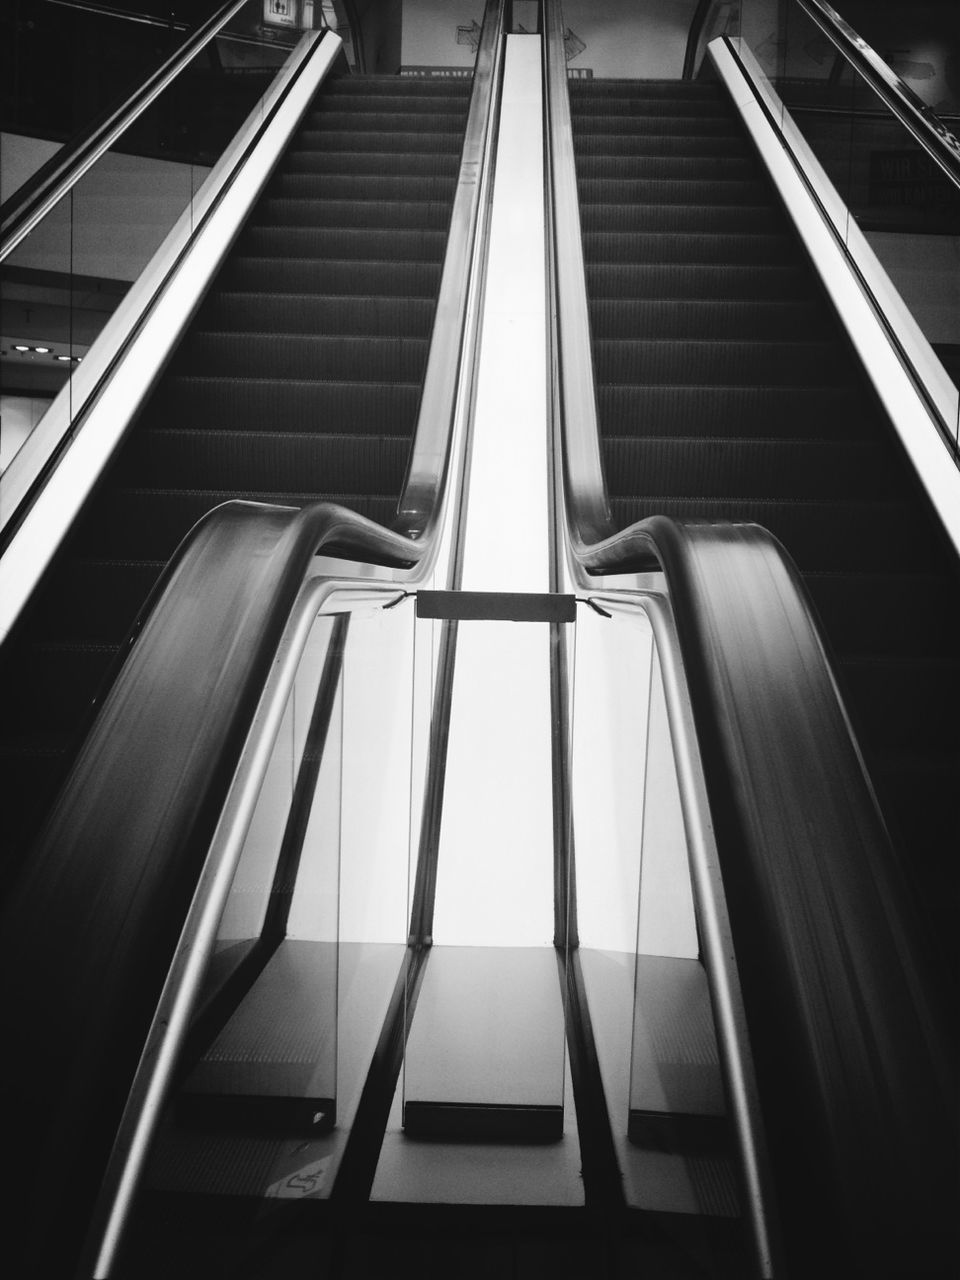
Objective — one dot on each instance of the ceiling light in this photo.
(19, 346)
(42, 351)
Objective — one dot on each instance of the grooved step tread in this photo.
(352, 86)
(725, 248)
(277, 460)
(826, 535)
(612, 146)
(388, 245)
(358, 276)
(327, 213)
(363, 186)
(372, 164)
(714, 411)
(192, 402)
(679, 218)
(327, 314)
(763, 320)
(354, 140)
(383, 122)
(728, 468)
(700, 125)
(702, 281)
(720, 361)
(304, 355)
(593, 168)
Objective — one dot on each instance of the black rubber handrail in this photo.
(66, 167)
(87, 937)
(356, 35)
(694, 36)
(856, 1075)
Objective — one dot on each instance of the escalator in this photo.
(298, 380)
(726, 391)
(338, 266)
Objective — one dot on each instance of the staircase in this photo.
(298, 381)
(726, 391)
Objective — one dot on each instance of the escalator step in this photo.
(787, 469)
(737, 411)
(643, 110)
(618, 87)
(857, 608)
(276, 460)
(248, 272)
(620, 319)
(360, 140)
(385, 102)
(619, 190)
(378, 164)
(257, 404)
(294, 355)
(821, 536)
(723, 249)
(96, 600)
(372, 244)
(70, 675)
(363, 186)
(360, 123)
(702, 123)
(906, 705)
(352, 86)
(612, 146)
(326, 213)
(32, 765)
(328, 314)
(703, 281)
(155, 520)
(679, 218)
(676, 168)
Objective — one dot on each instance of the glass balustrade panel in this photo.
(890, 201)
(643, 973)
(62, 284)
(309, 946)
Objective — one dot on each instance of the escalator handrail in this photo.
(927, 128)
(449, 363)
(38, 195)
(832, 958)
(112, 875)
(694, 35)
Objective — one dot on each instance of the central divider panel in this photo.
(485, 1058)
(485, 1055)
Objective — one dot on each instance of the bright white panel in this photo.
(611, 693)
(377, 700)
(495, 867)
(507, 507)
